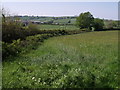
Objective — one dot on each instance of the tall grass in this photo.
(88, 60)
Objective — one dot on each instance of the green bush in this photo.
(11, 49)
(22, 46)
(14, 30)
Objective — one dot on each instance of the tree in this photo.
(85, 20)
(98, 23)
(69, 21)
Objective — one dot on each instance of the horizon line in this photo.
(60, 16)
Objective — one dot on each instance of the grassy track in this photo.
(82, 60)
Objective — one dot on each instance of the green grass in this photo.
(61, 21)
(57, 27)
(74, 61)
(64, 21)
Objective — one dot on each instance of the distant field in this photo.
(58, 27)
(64, 21)
(73, 61)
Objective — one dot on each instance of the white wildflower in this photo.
(33, 78)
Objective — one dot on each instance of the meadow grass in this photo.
(58, 27)
(64, 21)
(87, 60)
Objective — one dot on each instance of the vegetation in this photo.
(17, 39)
(13, 30)
(48, 20)
(98, 24)
(22, 46)
(15, 36)
(57, 27)
(85, 20)
(111, 24)
(31, 42)
(57, 23)
(88, 60)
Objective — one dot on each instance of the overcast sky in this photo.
(106, 10)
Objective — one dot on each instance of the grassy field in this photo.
(58, 27)
(74, 61)
(64, 21)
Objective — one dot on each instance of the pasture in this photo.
(65, 21)
(87, 60)
(57, 27)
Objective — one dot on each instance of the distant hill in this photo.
(48, 20)
(63, 20)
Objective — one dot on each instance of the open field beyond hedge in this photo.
(58, 27)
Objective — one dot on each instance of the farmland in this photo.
(64, 45)
(58, 23)
(57, 27)
(75, 61)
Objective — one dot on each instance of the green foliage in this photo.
(109, 24)
(12, 45)
(88, 60)
(18, 46)
(85, 20)
(32, 27)
(13, 30)
(31, 42)
(98, 23)
(10, 31)
(57, 27)
(10, 49)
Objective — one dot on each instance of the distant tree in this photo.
(37, 17)
(98, 23)
(69, 21)
(68, 17)
(85, 20)
(111, 25)
(56, 18)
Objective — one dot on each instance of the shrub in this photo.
(14, 30)
(10, 49)
(22, 46)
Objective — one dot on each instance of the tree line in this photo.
(86, 20)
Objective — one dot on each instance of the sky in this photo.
(60, 0)
(106, 10)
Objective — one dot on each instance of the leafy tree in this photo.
(98, 23)
(85, 20)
